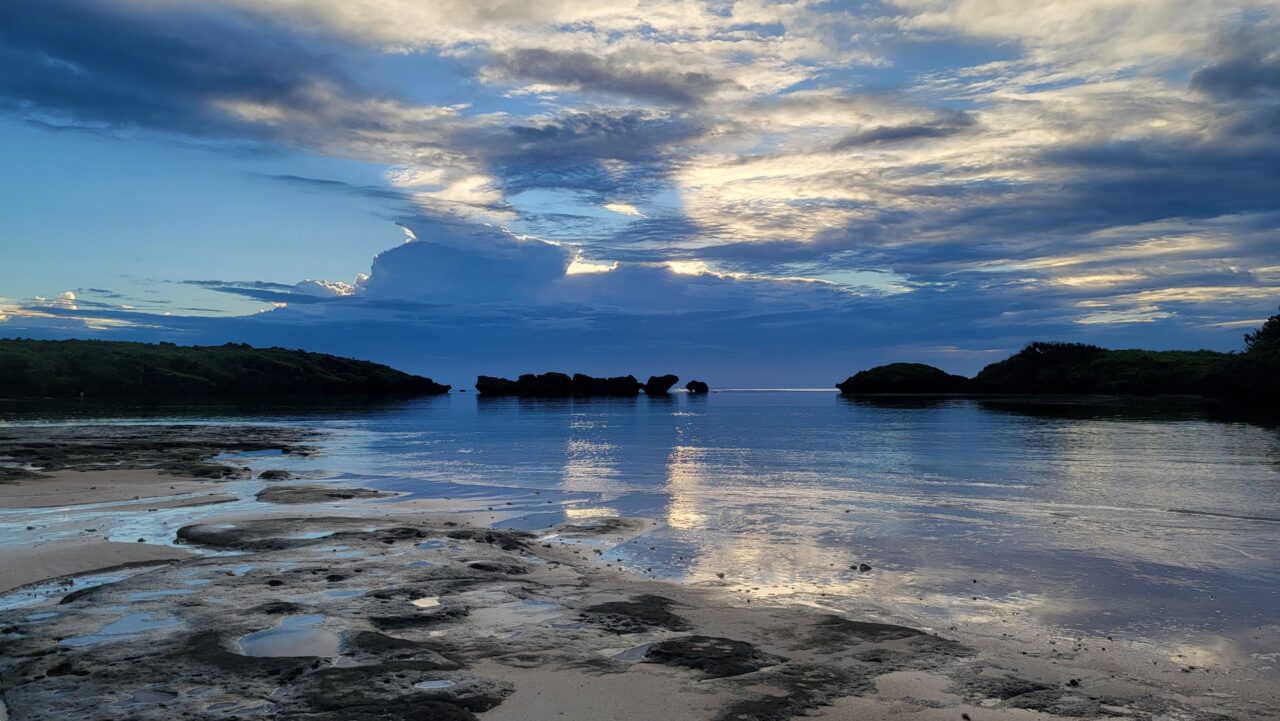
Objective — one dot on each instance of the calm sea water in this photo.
(1146, 519)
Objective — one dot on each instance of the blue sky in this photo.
(756, 193)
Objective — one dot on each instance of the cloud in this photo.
(832, 169)
(585, 72)
(950, 124)
(107, 64)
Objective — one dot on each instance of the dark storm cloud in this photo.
(950, 124)
(264, 291)
(609, 74)
(82, 62)
(1244, 82)
(631, 136)
(1249, 70)
(598, 153)
(327, 185)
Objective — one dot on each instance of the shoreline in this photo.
(517, 634)
(481, 623)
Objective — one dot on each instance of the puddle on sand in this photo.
(125, 626)
(433, 684)
(426, 602)
(41, 592)
(345, 552)
(343, 594)
(635, 653)
(146, 697)
(433, 543)
(310, 535)
(293, 637)
(517, 613)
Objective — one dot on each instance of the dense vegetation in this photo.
(904, 378)
(95, 368)
(1252, 376)
(1078, 368)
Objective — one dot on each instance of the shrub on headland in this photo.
(1252, 376)
(98, 368)
(904, 378)
(1078, 368)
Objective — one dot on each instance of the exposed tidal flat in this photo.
(734, 555)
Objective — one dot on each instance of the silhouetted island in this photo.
(1252, 376)
(696, 387)
(904, 378)
(99, 368)
(560, 385)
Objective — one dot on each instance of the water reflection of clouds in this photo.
(1083, 521)
(686, 473)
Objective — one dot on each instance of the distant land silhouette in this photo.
(1251, 376)
(561, 385)
(120, 369)
(98, 368)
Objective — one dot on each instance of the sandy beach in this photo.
(326, 603)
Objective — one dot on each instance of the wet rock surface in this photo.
(714, 657)
(316, 494)
(639, 614)
(185, 450)
(328, 618)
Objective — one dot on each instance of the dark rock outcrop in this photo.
(904, 378)
(697, 387)
(715, 657)
(640, 614)
(316, 494)
(558, 385)
(617, 386)
(660, 385)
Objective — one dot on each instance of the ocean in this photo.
(1154, 521)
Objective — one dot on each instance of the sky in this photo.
(753, 193)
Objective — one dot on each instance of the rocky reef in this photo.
(697, 387)
(561, 385)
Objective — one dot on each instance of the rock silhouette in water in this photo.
(697, 387)
(558, 385)
(584, 385)
(659, 385)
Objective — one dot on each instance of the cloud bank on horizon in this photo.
(738, 190)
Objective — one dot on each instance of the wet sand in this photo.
(60, 559)
(394, 611)
(69, 488)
